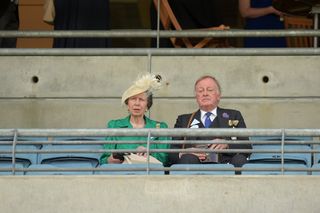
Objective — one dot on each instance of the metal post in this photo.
(315, 10)
(149, 70)
(148, 152)
(282, 151)
(158, 24)
(14, 151)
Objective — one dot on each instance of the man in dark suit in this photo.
(209, 115)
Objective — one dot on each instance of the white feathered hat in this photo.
(146, 83)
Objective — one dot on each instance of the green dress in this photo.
(125, 123)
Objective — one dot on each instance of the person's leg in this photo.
(238, 160)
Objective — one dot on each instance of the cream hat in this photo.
(146, 83)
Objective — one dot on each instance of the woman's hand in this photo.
(247, 11)
(111, 159)
(142, 148)
(277, 12)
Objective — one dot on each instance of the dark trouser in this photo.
(237, 160)
(81, 15)
(9, 21)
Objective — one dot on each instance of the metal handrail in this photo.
(154, 33)
(16, 133)
(226, 132)
(159, 52)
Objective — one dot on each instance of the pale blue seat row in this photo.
(26, 159)
(8, 167)
(316, 166)
(69, 158)
(130, 169)
(275, 157)
(202, 169)
(86, 159)
(302, 158)
(265, 169)
(156, 169)
(54, 170)
(317, 155)
(82, 156)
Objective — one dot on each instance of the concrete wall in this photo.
(85, 92)
(136, 194)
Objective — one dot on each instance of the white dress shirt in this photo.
(212, 116)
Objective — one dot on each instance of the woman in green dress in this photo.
(138, 100)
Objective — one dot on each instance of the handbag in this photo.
(49, 11)
(137, 159)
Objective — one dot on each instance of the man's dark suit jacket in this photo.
(221, 121)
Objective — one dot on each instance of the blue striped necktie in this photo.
(207, 121)
(211, 157)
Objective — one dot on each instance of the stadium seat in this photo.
(43, 167)
(8, 165)
(202, 169)
(24, 158)
(278, 138)
(302, 158)
(298, 22)
(130, 169)
(273, 165)
(316, 166)
(317, 155)
(71, 159)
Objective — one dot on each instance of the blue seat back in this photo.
(27, 158)
(278, 138)
(54, 170)
(269, 166)
(316, 166)
(303, 158)
(130, 169)
(317, 155)
(82, 154)
(8, 165)
(202, 169)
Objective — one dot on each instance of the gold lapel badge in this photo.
(233, 123)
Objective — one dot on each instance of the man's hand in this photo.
(219, 145)
(201, 155)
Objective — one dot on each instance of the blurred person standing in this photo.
(81, 15)
(9, 20)
(261, 15)
(191, 14)
(196, 14)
